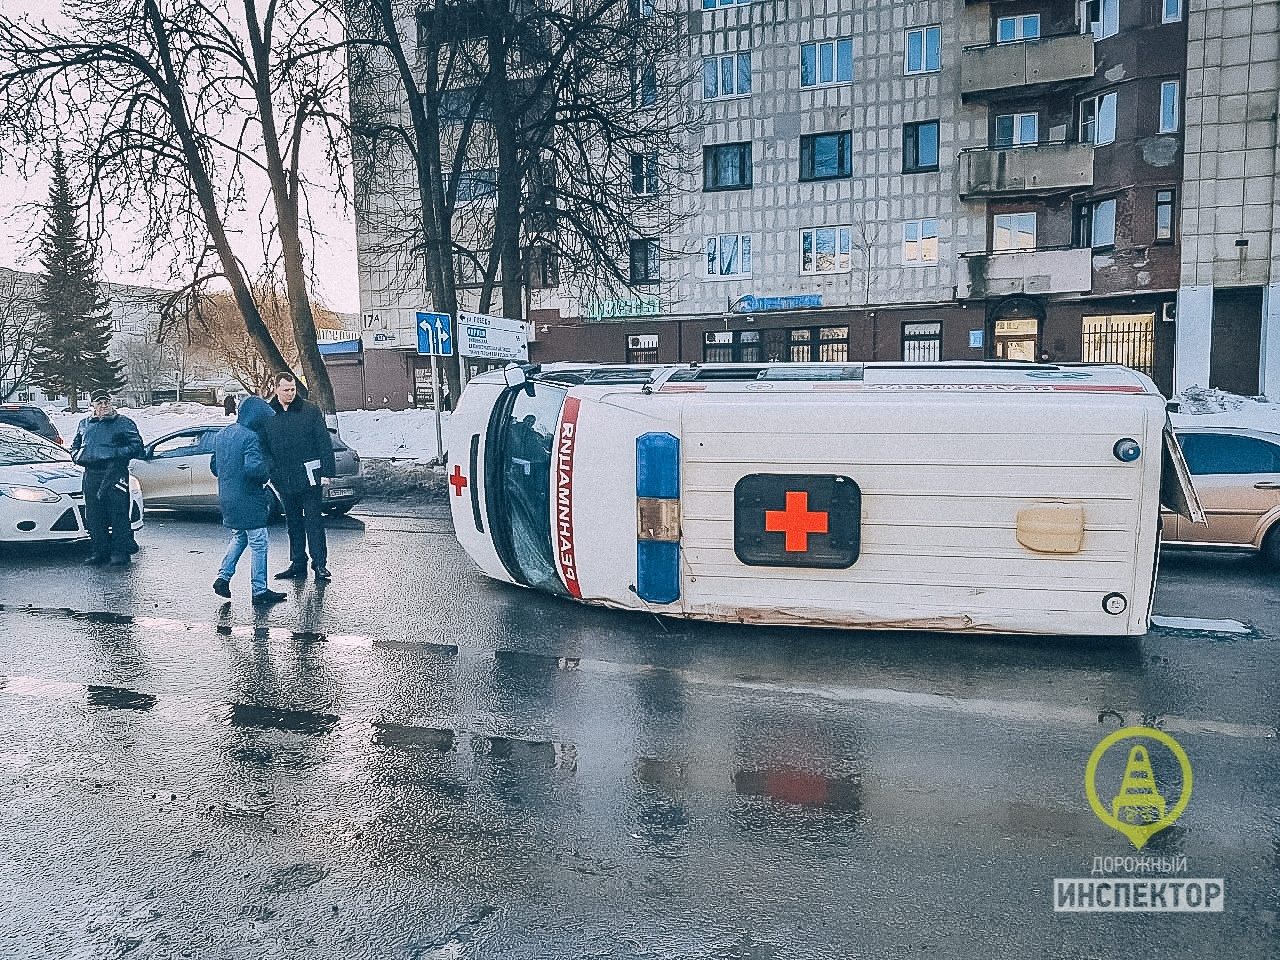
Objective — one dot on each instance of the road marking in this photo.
(1201, 625)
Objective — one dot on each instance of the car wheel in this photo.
(1271, 546)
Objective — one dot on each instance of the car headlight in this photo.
(29, 494)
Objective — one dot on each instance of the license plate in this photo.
(340, 491)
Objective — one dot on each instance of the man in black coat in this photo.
(104, 444)
(301, 454)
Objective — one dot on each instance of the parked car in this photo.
(1236, 472)
(40, 496)
(31, 418)
(175, 473)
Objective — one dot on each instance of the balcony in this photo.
(1035, 170)
(1008, 66)
(1031, 272)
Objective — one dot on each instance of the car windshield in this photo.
(518, 478)
(18, 448)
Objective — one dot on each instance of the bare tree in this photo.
(212, 333)
(539, 108)
(19, 321)
(173, 102)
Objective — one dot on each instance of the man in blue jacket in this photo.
(242, 467)
(104, 444)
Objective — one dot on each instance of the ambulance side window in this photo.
(518, 455)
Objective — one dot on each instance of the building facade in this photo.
(946, 179)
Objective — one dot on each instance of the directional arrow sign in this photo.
(433, 335)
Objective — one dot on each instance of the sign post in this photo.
(434, 340)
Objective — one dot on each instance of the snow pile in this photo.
(400, 434)
(408, 434)
(1208, 406)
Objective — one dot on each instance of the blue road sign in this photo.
(434, 337)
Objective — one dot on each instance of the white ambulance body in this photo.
(955, 496)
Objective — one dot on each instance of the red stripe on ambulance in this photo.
(566, 443)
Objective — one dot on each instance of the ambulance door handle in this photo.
(184, 466)
(1266, 485)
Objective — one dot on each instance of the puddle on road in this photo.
(413, 738)
(800, 787)
(119, 698)
(275, 718)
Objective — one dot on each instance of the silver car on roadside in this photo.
(175, 474)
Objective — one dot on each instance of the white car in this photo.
(40, 498)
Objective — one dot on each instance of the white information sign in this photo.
(492, 338)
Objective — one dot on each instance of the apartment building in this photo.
(947, 179)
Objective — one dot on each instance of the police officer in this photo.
(104, 444)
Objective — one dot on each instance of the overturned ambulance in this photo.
(975, 497)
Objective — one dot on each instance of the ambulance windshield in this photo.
(518, 482)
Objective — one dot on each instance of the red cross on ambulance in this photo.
(796, 520)
(458, 481)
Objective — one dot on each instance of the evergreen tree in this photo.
(70, 355)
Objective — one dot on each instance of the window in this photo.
(728, 255)
(1169, 106)
(731, 346)
(922, 342)
(640, 8)
(474, 185)
(924, 50)
(456, 104)
(1098, 119)
(726, 166)
(1100, 17)
(920, 241)
(542, 267)
(1172, 11)
(642, 348)
(644, 261)
(644, 86)
(1014, 231)
(1013, 29)
(727, 76)
(1209, 453)
(825, 63)
(1096, 224)
(832, 344)
(181, 445)
(826, 249)
(1164, 215)
(920, 146)
(826, 156)
(712, 4)
(1017, 129)
(644, 173)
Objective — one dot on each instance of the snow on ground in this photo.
(1208, 407)
(400, 434)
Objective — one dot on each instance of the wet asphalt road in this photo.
(416, 762)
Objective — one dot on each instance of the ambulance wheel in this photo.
(1271, 546)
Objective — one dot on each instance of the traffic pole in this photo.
(435, 395)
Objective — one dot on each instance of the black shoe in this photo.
(95, 560)
(322, 573)
(293, 573)
(221, 587)
(133, 547)
(267, 597)
(120, 560)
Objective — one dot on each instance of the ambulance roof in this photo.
(958, 376)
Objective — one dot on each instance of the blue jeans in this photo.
(255, 539)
